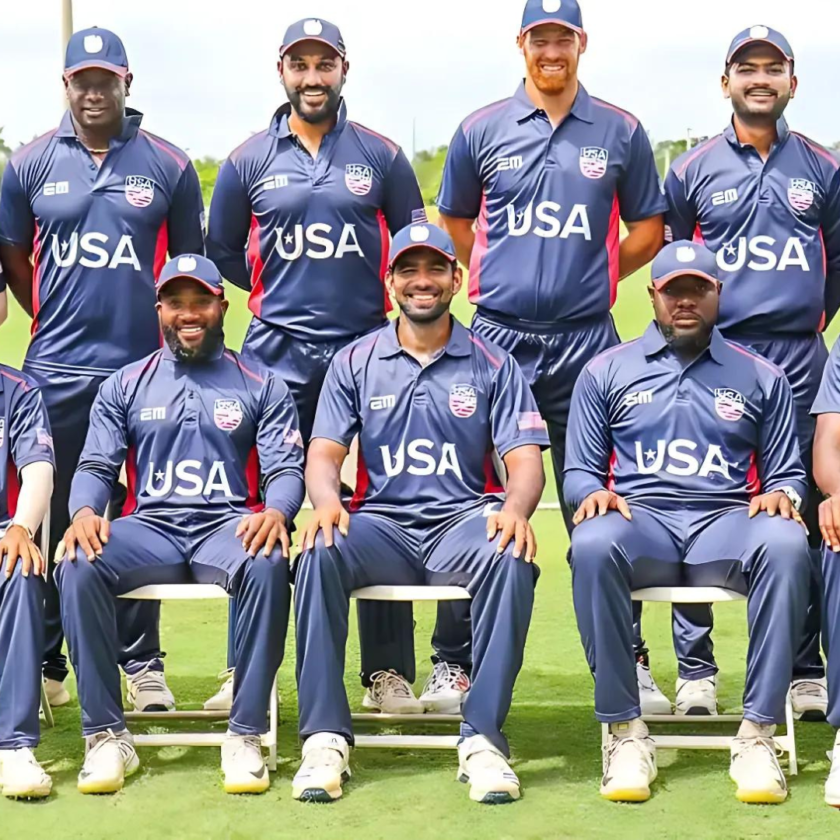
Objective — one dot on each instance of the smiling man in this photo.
(684, 469)
(766, 200)
(189, 420)
(88, 213)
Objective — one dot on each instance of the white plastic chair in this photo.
(704, 595)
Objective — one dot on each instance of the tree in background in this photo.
(428, 166)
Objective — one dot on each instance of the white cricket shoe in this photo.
(490, 778)
(755, 769)
(57, 694)
(222, 700)
(445, 689)
(148, 691)
(392, 694)
(109, 759)
(243, 764)
(809, 699)
(325, 764)
(651, 698)
(832, 783)
(696, 697)
(21, 777)
(629, 763)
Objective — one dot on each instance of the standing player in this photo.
(545, 176)
(424, 513)
(26, 482)
(300, 217)
(767, 201)
(88, 213)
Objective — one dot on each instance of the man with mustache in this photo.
(683, 467)
(533, 191)
(300, 218)
(767, 201)
(88, 213)
(189, 420)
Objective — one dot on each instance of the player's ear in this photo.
(651, 293)
(584, 41)
(129, 78)
(345, 66)
(794, 84)
(457, 279)
(389, 282)
(724, 85)
(224, 303)
(520, 43)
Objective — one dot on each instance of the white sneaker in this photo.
(109, 759)
(809, 699)
(832, 783)
(392, 694)
(243, 764)
(21, 777)
(651, 698)
(696, 697)
(56, 693)
(755, 769)
(445, 689)
(325, 764)
(222, 700)
(629, 763)
(491, 780)
(148, 691)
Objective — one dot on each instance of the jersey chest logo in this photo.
(358, 178)
(801, 194)
(729, 404)
(139, 191)
(593, 161)
(227, 414)
(462, 400)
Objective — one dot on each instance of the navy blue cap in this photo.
(759, 35)
(195, 267)
(95, 47)
(681, 258)
(564, 12)
(421, 235)
(314, 29)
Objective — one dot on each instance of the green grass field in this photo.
(554, 737)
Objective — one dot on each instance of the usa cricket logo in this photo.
(139, 191)
(358, 178)
(801, 194)
(593, 161)
(227, 414)
(729, 404)
(463, 400)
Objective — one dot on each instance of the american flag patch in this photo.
(463, 400)
(729, 404)
(419, 216)
(43, 437)
(530, 421)
(139, 191)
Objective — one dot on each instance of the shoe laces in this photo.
(24, 755)
(445, 677)
(384, 683)
(810, 688)
(244, 744)
(96, 743)
(616, 751)
(148, 680)
(703, 686)
(645, 678)
(745, 746)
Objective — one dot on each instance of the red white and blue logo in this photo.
(801, 194)
(593, 161)
(463, 400)
(729, 404)
(139, 191)
(227, 414)
(358, 178)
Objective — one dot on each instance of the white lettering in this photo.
(681, 461)
(319, 246)
(733, 256)
(422, 457)
(190, 477)
(94, 254)
(548, 213)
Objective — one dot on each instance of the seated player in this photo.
(27, 464)
(827, 475)
(430, 402)
(188, 420)
(684, 469)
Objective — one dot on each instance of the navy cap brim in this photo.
(122, 72)
(414, 246)
(556, 22)
(286, 47)
(749, 42)
(215, 290)
(661, 282)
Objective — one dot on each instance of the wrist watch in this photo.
(795, 498)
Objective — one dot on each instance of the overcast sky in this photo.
(205, 71)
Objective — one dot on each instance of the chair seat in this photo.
(177, 592)
(687, 595)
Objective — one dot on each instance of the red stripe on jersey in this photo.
(161, 249)
(611, 472)
(12, 488)
(492, 483)
(629, 118)
(478, 251)
(613, 243)
(252, 479)
(698, 235)
(822, 324)
(817, 149)
(362, 483)
(700, 150)
(19, 379)
(392, 146)
(753, 481)
(156, 141)
(131, 475)
(238, 362)
(385, 244)
(255, 261)
(491, 358)
(37, 246)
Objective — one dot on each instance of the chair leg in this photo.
(46, 708)
(791, 733)
(272, 727)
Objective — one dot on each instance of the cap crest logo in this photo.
(685, 254)
(801, 194)
(419, 233)
(227, 414)
(593, 161)
(463, 400)
(139, 190)
(93, 43)
(186, 264)
(552, 6)
(729, 404)
(759, 32)
(313, 27)
(358, 178)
